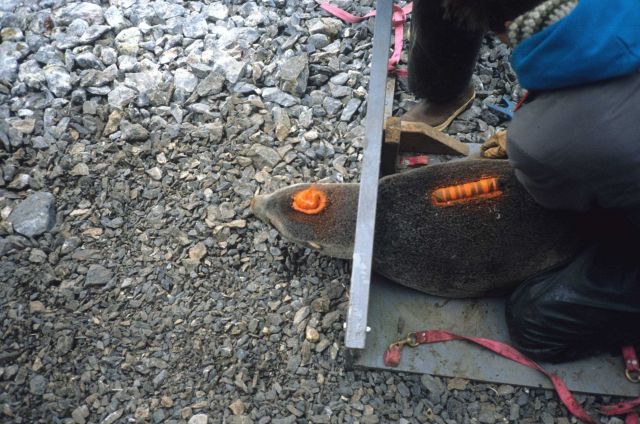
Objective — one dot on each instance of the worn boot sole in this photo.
(457, 112)
(414, 115)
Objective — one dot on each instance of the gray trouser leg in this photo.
(579, 148)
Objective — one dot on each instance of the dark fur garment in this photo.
(476, 15)
(474, 248)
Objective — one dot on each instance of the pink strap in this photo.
(399, 18)
(392, 358)
(619, 408)
(344, 15)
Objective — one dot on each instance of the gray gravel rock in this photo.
(20, 182)
(294, 73)
(331, 106)
(93, 33)
(31, 74)
(327, 26)
(38, 384)
(282, 123)
(350, 109)
(8, 64)
(80, 170)
(275, 95)
(89, 12)
(128, 41)
(11, 34)
(34, 215)
(112, 417)
(264, 156)
(212, 84)
(128, 63)
(228, 65)
(133, 132)
(97, 275)
(80, 414)
(88, 60)
(58, 80)
(318, 41)
(121, 96)
(115, 18)
(25, 126)
(196, 27)
(185, 80)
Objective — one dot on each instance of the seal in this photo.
(457, 229)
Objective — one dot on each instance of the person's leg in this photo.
(588, 306)
(445, 41)
(441, 60)
(442, 55)
(579, 148)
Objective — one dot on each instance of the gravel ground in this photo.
(135, 284)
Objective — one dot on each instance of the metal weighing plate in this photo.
(396, 311)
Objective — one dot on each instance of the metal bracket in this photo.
(416, 137)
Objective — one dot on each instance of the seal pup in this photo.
(457, 229)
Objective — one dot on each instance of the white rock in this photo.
(121, 96)
(115, 18)
(185, 80)
(127, 41)
(58, 80)
(143, 81)
(217, 11)
(199, 419)
(155, 173)
(25, 126)
(230, 67)
(195, 27)
(312, 335)
(90, 12)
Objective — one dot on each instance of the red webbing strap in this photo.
(399, 18)
(392, 358)
(521, 101)
(344, 15)
(632, 368)
(620, 407)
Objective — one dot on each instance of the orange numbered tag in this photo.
(484, 188)
(310, 201)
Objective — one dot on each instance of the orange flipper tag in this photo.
(310, 201)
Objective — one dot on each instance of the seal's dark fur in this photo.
(480, 247)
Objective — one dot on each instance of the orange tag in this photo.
(484, 188)
(310, 201)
